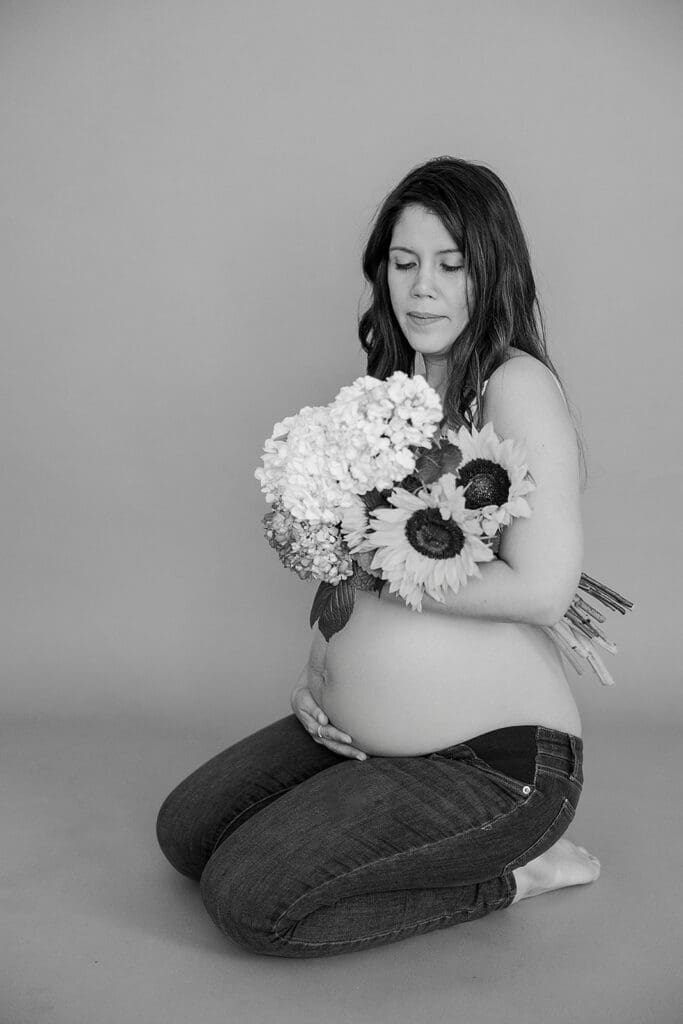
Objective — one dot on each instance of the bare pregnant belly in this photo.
(405, 683)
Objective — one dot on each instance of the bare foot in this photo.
(563, 864)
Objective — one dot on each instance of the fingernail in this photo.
(361, 757)
(322, 718)
(347, 739)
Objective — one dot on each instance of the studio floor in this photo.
(99, 929)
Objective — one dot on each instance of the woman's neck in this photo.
(437, 383)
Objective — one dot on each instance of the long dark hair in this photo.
(475, 208)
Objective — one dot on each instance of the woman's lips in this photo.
(424, 321)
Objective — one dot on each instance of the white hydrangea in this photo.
(316, 461)
(297, 470)
(375, 422)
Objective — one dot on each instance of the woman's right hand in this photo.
(314, 719)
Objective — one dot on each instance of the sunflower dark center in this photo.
(433, 536)
(486, 483)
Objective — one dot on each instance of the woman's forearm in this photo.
(501, 593)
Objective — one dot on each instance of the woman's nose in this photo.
(423, 283)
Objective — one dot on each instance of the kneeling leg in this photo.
(228, 789)
(369, 853)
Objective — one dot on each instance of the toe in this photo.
(589, 855)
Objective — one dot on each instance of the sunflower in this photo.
(354, 527)
(428, 542)
(494, 476)
(355, 524)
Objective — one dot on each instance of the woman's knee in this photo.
(242, 901)
(178, 836)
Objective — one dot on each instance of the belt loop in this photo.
(575, 756)
(538, 740)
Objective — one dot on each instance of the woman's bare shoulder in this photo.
(520, 369)
(524, 399)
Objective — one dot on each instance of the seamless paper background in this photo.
(186, 190)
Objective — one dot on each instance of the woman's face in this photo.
(427, 282)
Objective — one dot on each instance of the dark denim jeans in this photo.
(302, 852)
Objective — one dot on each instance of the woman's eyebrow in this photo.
(441, 252)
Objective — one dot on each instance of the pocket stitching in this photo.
(482, 765)
(575, 784)
(567, 808)
(496, 773)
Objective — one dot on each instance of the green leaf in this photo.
(451, 457)
(411, 483)
(443, 457)
(322, 596)
(428, 466)
(372, 499)
(337, 610)
(362, 580)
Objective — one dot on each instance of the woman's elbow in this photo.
(556, 598)
(549, 614)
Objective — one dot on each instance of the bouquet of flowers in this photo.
(368, 490)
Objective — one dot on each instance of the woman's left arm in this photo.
(539, 559)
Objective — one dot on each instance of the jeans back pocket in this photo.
(557, 827)
(560, 755)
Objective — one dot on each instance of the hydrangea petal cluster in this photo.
(374, 424)
(457, 546)
(297, 469)
(316, 461)
(485, 444)
(311, 550)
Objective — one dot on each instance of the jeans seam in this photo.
(548, 772)
(481, 764)
(563, 760)
(390, 931)
(556, 773)
(393, 856)
(565, 806)
(270, 797)
(502, 776)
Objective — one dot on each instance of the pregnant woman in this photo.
(433, 760)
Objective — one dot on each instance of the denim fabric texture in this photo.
(301, 852)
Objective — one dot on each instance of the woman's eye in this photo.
(444, 266)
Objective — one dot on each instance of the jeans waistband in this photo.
(560, 751)
(521, 749)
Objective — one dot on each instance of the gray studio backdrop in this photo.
(186, 189)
